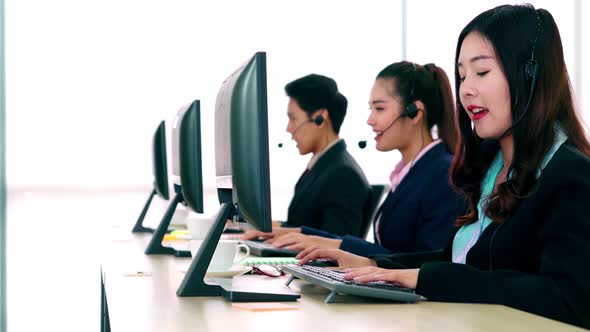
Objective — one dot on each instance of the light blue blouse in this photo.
(468, 235)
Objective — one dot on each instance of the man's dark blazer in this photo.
(332, 195)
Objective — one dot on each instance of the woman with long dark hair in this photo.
(523, 164)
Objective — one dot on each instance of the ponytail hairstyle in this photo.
(430, 85)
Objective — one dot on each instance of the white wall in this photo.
(2, 181)
(425, 23)
(88, 81)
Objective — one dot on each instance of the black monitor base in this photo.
(194, 283)
(155, 246)
(182, 253)
(233, 231)
(246, 292)
(142, 229)
(138, 228)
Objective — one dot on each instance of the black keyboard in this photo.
(268, 250)
(333, 280)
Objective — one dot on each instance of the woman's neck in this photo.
(416, 145)
(507, 146)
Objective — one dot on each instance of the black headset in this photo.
(531, 72)
(411, 109)
(531, 66)
(318, 120)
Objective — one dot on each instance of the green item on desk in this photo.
(276, 261)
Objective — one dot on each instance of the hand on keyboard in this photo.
(271, 236)
(253, 235)
(406, 278)
(343, 258)
(298, 241)
(338, 275)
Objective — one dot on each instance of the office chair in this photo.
(375, 197)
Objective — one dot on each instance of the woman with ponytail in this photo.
(407, 102)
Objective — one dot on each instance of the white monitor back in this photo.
(175, 144)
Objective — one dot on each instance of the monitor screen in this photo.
(241, 141)
(175, 144)
(189, 153)
(159, 161)
(241, 155)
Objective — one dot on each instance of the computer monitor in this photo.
(187, 171)
(160, 171)
(241, 143)
(242, 167)
(188, 188)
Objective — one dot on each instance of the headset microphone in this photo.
(411, 111)
(363, 144)
(318, 120)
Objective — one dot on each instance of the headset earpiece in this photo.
(411, 110)
(318, 120)
(531, 71)
(531, 67)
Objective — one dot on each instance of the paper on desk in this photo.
(263, 306)
(137, 273)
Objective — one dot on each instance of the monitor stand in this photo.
(139, 228)
(194, 283)
(155, 246)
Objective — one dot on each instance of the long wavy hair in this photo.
(512, 31)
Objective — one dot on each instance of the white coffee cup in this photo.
(198, 226)
(225, 255)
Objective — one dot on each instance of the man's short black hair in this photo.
(314, 92)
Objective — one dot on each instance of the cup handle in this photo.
(239, 261)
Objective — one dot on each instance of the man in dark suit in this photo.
(332, 193)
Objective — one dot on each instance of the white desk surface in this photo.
(149, 303)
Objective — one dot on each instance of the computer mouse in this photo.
(322, 263)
